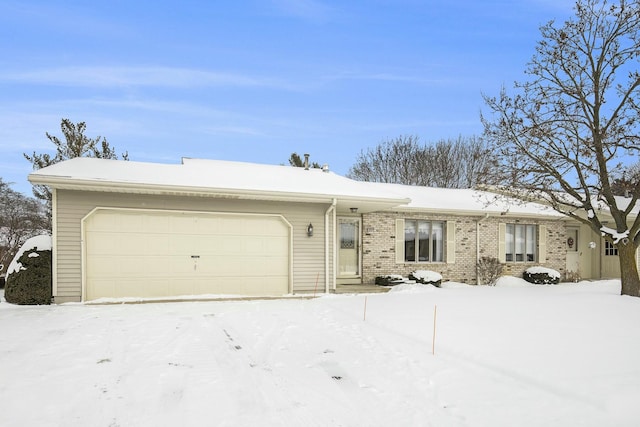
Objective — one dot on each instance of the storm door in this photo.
(348, 247)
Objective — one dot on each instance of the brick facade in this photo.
(379, 240)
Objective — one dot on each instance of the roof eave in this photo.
(467, 212)
(69, 183)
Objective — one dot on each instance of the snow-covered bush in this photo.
(389, 280)
(489, 269)
(541, 276)
(426, 277)
(28, 280)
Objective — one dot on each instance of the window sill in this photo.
(421, 262)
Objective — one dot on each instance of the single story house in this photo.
(133, 229)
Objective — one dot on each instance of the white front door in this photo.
(610, 261)
(348, 247)
(573, 253)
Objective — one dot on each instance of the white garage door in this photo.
(130, 253)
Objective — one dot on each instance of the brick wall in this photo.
(379, 237)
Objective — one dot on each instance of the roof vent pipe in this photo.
(306, 162)
(325, 168)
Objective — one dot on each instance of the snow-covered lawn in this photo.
(523, 355)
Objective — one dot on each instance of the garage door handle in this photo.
(195, 256)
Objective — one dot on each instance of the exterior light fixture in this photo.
(353, 210)
(310, 230)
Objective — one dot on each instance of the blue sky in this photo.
(255, 80)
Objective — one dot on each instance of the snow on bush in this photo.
(426, 277)
(544, 270)
(28, 280)
(541, 276)
(389, 280)
(37, 243)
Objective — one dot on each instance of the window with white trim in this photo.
(423, 241)
(520, 242)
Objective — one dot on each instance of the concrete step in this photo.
(360, 289)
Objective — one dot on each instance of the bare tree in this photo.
(75, 144)
(562, 136)
(459, 163)
(21, 217)
(628, 182)
(296, 161)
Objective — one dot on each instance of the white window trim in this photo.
(449, 244)
(541, 244)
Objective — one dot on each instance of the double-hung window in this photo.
(423, 241)
(520, 243)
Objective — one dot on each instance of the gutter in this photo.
(550, 214)
(69, 183)
(326, 244)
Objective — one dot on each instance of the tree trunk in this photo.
(628, 269)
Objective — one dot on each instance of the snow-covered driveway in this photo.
(562, 355)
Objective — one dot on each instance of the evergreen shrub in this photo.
(389, 280)
(426, 277)
(541, 276)
(30, 285)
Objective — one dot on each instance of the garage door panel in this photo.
(277, 245)
(152, 223)
(151, 266)
(208, 226)
(156, 243)
(223, 245)
(101, 288)
(181, 224)
(266, 245)
(183, 245)
(104, 223)
(222, 266)
(133, 253)
(100, 243)
(130, 224)
(269, 285)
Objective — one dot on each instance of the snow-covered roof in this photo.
(270, 182)
(623, 203)
(465, 201)
(216, 177)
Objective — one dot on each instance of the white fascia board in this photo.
(68, 183)
(464, 212)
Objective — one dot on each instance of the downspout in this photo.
(54, 243)
(326, 245)
(478, 247)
